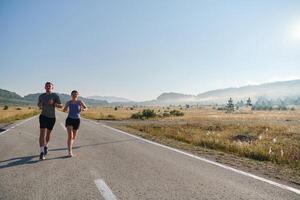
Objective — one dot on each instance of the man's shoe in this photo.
(45, 150)
(42, 156)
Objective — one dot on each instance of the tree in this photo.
(230, 105)
(249, 103)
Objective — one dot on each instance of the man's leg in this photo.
(48, 135)
(42, 143)
(49, 126)
(42, 137)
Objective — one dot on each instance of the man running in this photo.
(47, 102)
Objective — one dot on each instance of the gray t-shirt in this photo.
(48, 110)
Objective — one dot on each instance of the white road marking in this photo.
(282, 186)
(92, 121)
(62, 125)
(105, 190)
(22, 122)
(88, 120)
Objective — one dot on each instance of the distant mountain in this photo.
(275, 90)
(8, 94)
(11, 98)
(110, 99)
(171, 96)
(272, 91)
(66, 97)
(287, 91)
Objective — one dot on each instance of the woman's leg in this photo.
(70, 136)
(72, 140)
(75, 130)
(74, 134)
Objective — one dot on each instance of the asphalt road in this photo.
(110, 164)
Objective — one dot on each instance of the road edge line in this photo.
(18, 124)
(282, 186)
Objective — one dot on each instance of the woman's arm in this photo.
(66, 106)
(83, 106)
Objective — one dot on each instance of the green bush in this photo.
(111, 117)
(5, 107)
(176, 113)
(137, 115)
(145, 114)
(166, 114)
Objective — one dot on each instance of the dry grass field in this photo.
(16, 113)
(111, 113)
(260, 135)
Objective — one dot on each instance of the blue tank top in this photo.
(74, 110)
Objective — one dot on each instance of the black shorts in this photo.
(46, 122)
(75, 123)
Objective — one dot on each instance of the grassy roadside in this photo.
(258, 142)
(267, 142)
(283, 172)
(17, 113)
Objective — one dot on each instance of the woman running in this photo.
(74, 106)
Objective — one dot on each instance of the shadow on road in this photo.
(25, 161)
(18, 161)
(34, 158)
(4, 126)
(89, 145)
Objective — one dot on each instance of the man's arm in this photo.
(39, 104)
(57, 103)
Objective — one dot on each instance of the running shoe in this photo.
(42, 156)
(45, 150)
(70, 155)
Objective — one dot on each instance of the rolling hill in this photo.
(12, 98)
(110, 99)
(270, 91)
(289, 91)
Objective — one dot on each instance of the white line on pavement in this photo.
(22, 122)
(285, 187)
(62, 125)
(105, 190)
(90, 121)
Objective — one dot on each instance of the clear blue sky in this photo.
(139, 49)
